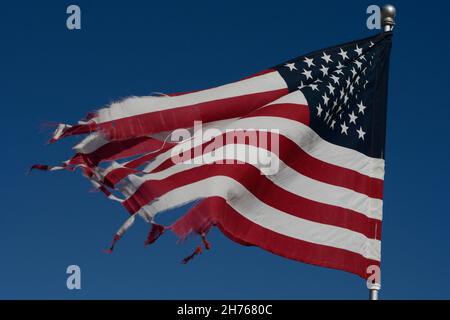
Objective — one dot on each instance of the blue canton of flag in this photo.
(346, 89)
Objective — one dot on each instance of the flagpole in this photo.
(373, 291)
(388, 13)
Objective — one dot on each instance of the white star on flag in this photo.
(319, 110)
(361, 133)
(331, 88)
(353, 117)
(291, 66)
(307, 74)
(344, 128)
(324, 70)
(326, 58)
(335, 79)
(325, 99)
(358, 50)
(361, 107)
(343, 54)
(309, 62)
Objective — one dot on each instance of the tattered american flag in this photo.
(322, 206)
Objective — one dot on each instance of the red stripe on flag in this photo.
(262, 188)
(171, 119)
(115, 150)
(215, 211)
(174, 118)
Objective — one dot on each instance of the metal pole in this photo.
(373, 291)
(388, 13)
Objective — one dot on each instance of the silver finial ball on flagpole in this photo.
(388, 13)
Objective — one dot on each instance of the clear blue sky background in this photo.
(50, 220)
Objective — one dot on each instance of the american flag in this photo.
(323, 205)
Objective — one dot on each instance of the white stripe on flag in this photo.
(266, 216)
(139, 105)
(286, 178)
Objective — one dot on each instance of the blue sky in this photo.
(50, 220)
